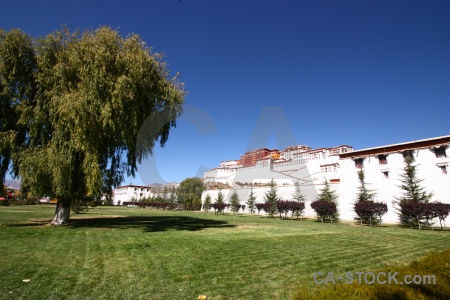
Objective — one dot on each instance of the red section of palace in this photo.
(250, 158)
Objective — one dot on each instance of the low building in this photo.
(131, 193)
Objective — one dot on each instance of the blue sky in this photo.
(361, 73)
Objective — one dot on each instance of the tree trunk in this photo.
(62, 212)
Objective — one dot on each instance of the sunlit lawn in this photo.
(131, 253)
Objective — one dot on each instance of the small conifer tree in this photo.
(364, 194)
(219, 202)
(172, 197)
(300, 198)
(251, 200)
(271, 199)
(207, 203)
(234, 202)
(327, 195)
(410, 204)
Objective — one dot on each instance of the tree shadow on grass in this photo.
(148, 224)
(151, 224)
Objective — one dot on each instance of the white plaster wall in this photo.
(311, 180)
(388, 188)
(307, 173)
(284, 192)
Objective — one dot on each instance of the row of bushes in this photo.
(221, 207)
(370, 211)
(283, 207)
(28, 201)
(424, 212)
(156, 205)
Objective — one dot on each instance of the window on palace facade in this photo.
(326, 168)
(408, 154)
(382, 159)
(440, 152)
(359, 162)
(140, 194)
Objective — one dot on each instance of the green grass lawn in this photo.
(131, 253)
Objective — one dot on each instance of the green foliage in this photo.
(362, 207)
(251, 201)
(235, 202)
(364, 194)
(220, 203)
(298, 196)
(189, 193)
(109, 200)
(271, 198)
(18, 66)
(219, 198)
(73, 105)
(413, 192)
(165, 193)
(30, 201)
(326, 194)
(4, 202)
(196, 204)
(80, 206)
(156, 246)
(432, 264)
(173, 196)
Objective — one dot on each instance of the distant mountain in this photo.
(15, 184)
(162, 185)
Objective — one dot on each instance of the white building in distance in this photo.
(131, 193)
(383, 167)
(310, 168)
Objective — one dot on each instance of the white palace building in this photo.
(310, 168)
(131, 193)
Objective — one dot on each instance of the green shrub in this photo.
(436, 264)
(30, 201)
(4, 202)
(79, 206)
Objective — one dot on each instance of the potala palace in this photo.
(310, 168)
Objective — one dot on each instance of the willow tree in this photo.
(189, 193)
(74, 128)
(17, 90)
